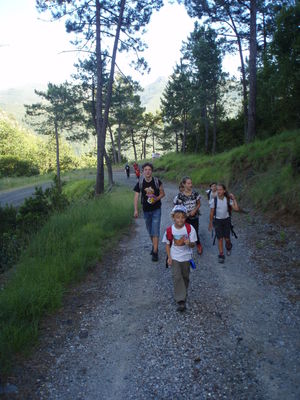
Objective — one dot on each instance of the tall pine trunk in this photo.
(133, 145)
(215, 124)
(119, 142)
(57, 156)
(114, 152)
(252, 74)
(205, 120)
(109, 169)
(100, 187)
(184, 133)
(99, 106)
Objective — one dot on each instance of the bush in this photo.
(13, 166)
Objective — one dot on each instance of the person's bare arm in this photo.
(161, 193)
(135, 201)
(234, 202)
(194, 211)
(211, 216)
(168, 250)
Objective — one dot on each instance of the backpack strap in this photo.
(188, 228)
(156, 182)
(169, 234)
(215, 210)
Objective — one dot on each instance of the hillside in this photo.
(264, 173)
(151, 95)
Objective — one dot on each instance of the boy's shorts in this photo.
(222, 227)
(152, 219)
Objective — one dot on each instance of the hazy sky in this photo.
(30, 47)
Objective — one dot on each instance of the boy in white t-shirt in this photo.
(180, 238)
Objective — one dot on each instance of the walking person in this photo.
(136, 170)
(180, 238)
(127, 170)
(212, 191)
(191, 200)
(220, 218)
(151, 190)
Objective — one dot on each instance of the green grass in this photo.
(264, 172)
(79, 189)
(19, 182)
(61, 253)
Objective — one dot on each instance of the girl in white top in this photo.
(220, 218)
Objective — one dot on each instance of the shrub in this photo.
(13, 166)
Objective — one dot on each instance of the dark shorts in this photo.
(222, 227)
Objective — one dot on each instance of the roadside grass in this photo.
(23, 181)
(264, 172)
(68, 245)
(80, 189)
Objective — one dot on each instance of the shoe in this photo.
(199, 248)
(154, 256)
(228, 249)
(228, 252)
(221, 258)
(181, 306)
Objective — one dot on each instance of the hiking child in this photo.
(212, 191)
(220, 218)
(191, 200)
(152, 192)
(127, 170)
(180, 238)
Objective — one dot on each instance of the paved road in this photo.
(17, 196)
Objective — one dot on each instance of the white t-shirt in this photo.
(222, 207)
(212, 195)
(181, 253)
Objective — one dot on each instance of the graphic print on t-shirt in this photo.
(149, 193)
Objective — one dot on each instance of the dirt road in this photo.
(239, 338)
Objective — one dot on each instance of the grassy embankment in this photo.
(67, 246)
(266, 173)
(23, 181)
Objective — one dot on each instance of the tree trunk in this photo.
(133, 145)
(119, 143)
(252, 74)
(184, 133)
(215, 124)
(153, 144)
(205, 119)
(109, 94)
(243, 71)
(176, 141)
(109, 169)
(99, 106)
(57, 156)
(114, 152)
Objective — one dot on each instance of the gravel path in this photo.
(239, 338)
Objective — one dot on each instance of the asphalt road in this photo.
(17, 196)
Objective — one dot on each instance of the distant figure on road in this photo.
(152, 192)
(127, 169)
(212, 191)
(179, 239)
(136, 170)
(220, 218)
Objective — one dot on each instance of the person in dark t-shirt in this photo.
(152, 192)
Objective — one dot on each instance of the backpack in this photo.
(169, 236)
(229, 212)
(141, 180)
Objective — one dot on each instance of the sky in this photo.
(34, 51)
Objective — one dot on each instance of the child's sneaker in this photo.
(228, 249)
(221, 258)
(228, 252)
(199, 248)
(154, 256)
(181, 306)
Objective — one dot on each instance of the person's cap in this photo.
(179, 208)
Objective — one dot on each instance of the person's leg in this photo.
(178, 281)
(155, 231)
(220, 235)
(185, 268)
(228, 243)
(220, 246)
(195, 223)
(148, 221)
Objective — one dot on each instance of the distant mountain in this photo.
(12, 100)
(152, 93)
